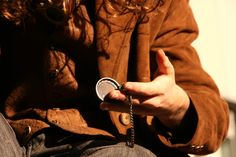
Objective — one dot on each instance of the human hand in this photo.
(161, 97)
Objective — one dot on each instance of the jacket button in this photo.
(56, 109)
(124, 118)
(27, 131)
(55, 121)
(197, 147)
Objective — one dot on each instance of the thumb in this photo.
(164, 65)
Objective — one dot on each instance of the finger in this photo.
(164, 65)
(124, 107)
(115, 95)
(115, 106)
(141, 89)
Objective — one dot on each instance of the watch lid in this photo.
(105, 85)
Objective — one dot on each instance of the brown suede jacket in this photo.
(48, 74)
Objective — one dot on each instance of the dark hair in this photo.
(20, 11)
(139, 8)
(136, 6)
(13, 10)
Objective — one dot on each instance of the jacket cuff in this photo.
(184, 132)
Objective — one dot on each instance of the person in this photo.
(54, 52)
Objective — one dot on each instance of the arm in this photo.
(182, 97)
(210, 111)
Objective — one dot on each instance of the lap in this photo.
(107, 149)
(38, 147)
(119, 150)
(78, 146)
(9, 146)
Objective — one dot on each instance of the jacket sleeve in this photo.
(208, 113)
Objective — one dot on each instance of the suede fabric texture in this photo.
(120, 39)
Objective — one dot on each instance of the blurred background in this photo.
(216, 46)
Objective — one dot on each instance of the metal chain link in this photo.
(131, 141)
(103, 87)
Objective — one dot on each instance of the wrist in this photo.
(182, 133)
(183, 102)
(178, 109)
